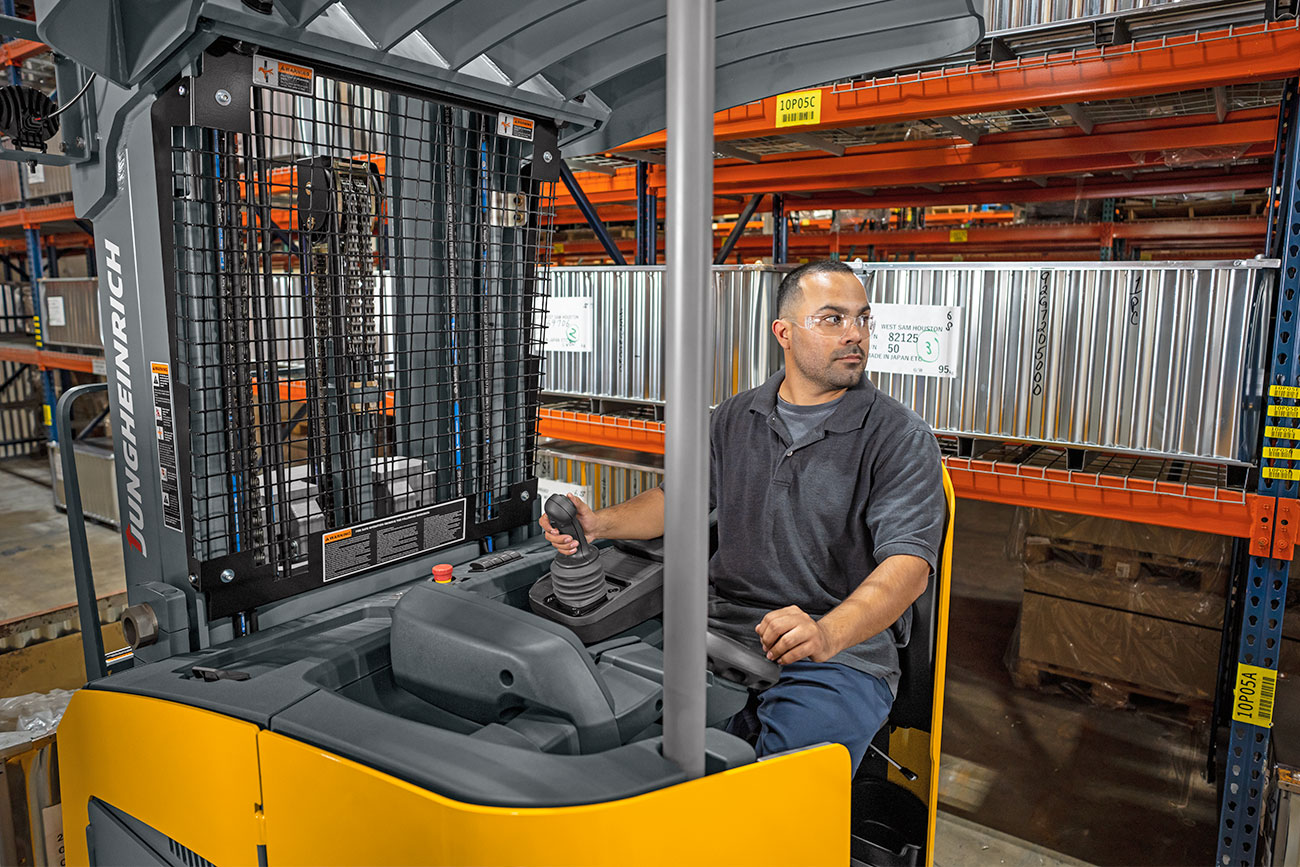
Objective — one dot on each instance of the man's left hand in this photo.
(789, 635)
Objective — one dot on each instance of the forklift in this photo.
(323, 232)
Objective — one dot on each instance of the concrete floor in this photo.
(1028, 778)
(35, 557)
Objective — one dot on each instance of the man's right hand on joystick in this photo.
(565, 544)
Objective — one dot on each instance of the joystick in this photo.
(577, 580)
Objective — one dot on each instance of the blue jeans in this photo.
(812, 703)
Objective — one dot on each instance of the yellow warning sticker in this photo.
(1282, 454)
(957, 236)
(46, 411)
(1252, 701)
(336, 536)
(1284, 391)
(1282, 433)
(1279, 473)
(799, 108)
(157, 367)
(1284, 411)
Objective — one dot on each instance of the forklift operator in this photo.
(830, 506)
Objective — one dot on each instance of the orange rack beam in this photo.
(34, 216)
(49, 359)
(15, 51)
(1264, 52)
(1222, 511)
(605, 430)
(1166, 504)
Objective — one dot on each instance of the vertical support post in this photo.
(779, 237)
(34, 268)
(652, 211)
(34, 271)
(1108, 230)
(1264, 601)
(645, 227)
(689, 353)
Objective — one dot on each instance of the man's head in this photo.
(820, 307)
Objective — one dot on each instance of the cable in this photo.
(71, 103)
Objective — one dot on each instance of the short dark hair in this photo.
(791, 290)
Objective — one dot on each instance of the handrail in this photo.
(92, 642)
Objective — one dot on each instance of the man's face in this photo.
(824, 354)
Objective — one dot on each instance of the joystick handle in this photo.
(563, 516)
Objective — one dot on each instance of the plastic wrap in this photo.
(29, 717)
(1127, 608)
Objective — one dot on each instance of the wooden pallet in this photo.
(1125, 564)
(1102, 691)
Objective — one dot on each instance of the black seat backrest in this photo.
(914, 704)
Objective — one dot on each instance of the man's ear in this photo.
(781, 329)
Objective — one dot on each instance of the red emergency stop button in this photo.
(442, 573)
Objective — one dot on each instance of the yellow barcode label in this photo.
(1290, 391)
(799, 108)
(45, 411)
(1284, 411)
(1282, 433)
(1252, 700)
(958, 236)
(1279, 473)
(1282, 454)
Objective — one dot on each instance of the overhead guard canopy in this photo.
(598, 65)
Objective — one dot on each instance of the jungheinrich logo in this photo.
(133, 527)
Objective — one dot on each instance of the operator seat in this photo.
(920, 686)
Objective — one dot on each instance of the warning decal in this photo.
(515, 127)
(164, 430)
(292, 77)
(379, 543)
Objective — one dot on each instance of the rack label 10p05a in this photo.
(1252, 700)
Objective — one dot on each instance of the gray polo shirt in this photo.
(806, 524)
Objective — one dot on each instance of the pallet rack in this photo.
(1057, 113)
(1088, 110)
(35, 228)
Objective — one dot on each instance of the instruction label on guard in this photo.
(292, 77)
(165, 430)
(1252, 701)
(387, 540)
(923, 340)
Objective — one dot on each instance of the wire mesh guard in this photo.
(359, 310)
